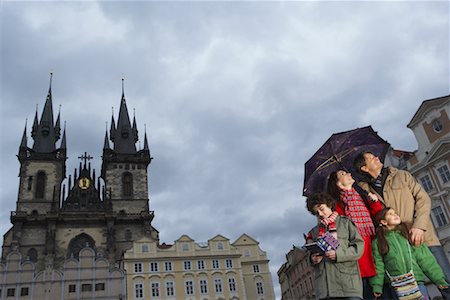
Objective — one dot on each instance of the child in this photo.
(336, 272)
(394, 255)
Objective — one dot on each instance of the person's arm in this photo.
(377, 281)
(426, 261)
(355, 247)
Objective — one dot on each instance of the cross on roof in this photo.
(85, 157)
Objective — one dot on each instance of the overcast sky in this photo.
(236, 96)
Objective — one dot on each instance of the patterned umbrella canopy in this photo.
(338, 152)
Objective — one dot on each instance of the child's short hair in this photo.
(318, 199)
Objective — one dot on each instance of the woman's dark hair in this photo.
(318, 199)
(382, 230)
(333, 189)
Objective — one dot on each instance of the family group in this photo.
(386, 243)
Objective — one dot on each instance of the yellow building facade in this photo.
(188, 270)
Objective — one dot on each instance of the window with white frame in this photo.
(215, 264)
(200, 264)
(439, 216)
(170, 288)
(138, 268)
(203, 286)
(229, 263)
(246, 252)
(259, 288)
(189, 287)
(444, 173)
(168, 266)
(138, 291)
(437, 125)
(155, 289)
(154, 267)
(185, 247)
(232, 284)
(426, 183)
(144, 248)
(219, 246)
(187, 265)
(218, 285)
(255, 268)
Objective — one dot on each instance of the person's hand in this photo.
(372, 197)
(331, 254)
(316, 258)
(377, 295)
(417, 236)
(443, 287)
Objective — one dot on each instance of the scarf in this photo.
(328, 224)
(357, 211)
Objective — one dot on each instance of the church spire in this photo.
(123, 136)
(23, 142)
(145, 139)
(45, 135)
(106, 142)
(58, 125)
(63, 140)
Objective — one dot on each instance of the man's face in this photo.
(373, 163)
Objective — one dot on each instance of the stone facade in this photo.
(188, 270)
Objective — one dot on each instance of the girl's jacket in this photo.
(423, 262)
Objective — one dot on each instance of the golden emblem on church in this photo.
(83, 183)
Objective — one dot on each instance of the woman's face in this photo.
(344, 179)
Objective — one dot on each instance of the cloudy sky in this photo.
(235, 96)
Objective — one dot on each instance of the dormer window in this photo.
(437, 125)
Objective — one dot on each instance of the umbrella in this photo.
(338, 152)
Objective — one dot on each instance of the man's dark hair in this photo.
(360, 161)
(318, 199)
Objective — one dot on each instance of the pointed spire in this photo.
(145, 138)
(58, 125)
(23, 143)
(106, 143)
(134, 129)
(112, 131)
(35, 124)
(63, 140)
(124, 138)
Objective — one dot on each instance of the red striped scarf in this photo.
(357, 211)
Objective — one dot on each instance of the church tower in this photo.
(124, 169)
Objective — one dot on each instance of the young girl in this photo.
(336, 272)
(351, 204)
(394, 255)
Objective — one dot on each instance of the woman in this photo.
(360, 210)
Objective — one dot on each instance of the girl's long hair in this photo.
(333, 189)
(381, 232)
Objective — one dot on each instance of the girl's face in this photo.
(391, 219)
(322, 211)
(344, 179)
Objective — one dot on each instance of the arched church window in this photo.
(40, 184)
(127, 184)
(79, 242)
(32, 254)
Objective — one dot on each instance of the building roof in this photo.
(426, 106)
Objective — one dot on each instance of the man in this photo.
(399, 190)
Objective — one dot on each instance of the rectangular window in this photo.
(100, 286)
(229, 263)
(189, 287)
(139, 291)
(255, 268)
(138, 268)
(259, 288)
(201, 264)
(10, 292)
(218, 285)
(155, 289)
(444, 173)
(232, 284)
(154, 267)
(185, 247)
(144, 248)
(170, 288)
(168, 266)
(24, 291)
(215, 264)
(426, 183)
(439, 216)
(203, 286)
(86, 287)
(72, 288)
(187, 265)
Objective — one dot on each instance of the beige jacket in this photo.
(406, 196)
